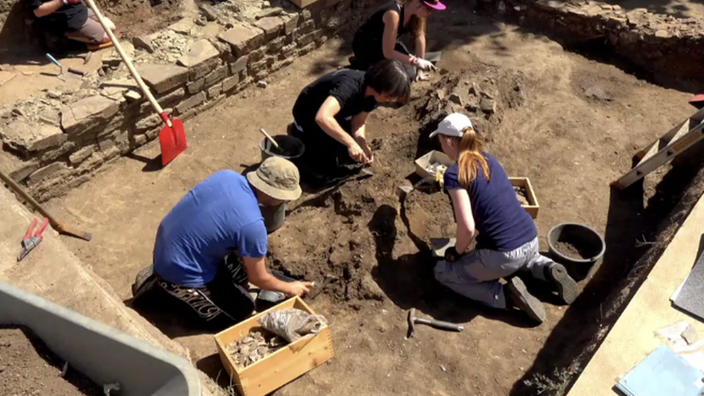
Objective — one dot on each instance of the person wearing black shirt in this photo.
(70, 18)
(331, 113)
(377, 38)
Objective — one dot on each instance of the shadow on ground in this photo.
(632, 228)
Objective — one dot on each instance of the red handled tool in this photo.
(32, 239)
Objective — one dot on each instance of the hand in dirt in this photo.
(425, 65)
(420, 76)
(357, 154)
(367, 150)
(299, 288)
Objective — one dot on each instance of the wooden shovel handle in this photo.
(271, 139)
(59, 227)
(126, 59)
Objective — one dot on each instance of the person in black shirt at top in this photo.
(330, 114)
(70, 18)
(377, 38)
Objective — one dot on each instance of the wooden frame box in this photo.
(282, 366)
(430, 158)
(533, 207)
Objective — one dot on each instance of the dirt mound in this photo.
(28, 366)
(482, 93)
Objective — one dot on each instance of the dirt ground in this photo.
(28, 367)
(571, 127)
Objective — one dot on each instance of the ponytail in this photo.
(417, 26)
(471, 158)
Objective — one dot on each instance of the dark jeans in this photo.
(221, 303)
(368, 53)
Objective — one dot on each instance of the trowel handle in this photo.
(439, 324)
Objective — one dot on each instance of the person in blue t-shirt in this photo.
(220, 217)
(486, 207)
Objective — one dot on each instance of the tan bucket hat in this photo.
(277, 178)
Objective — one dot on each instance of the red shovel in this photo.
(172, 136)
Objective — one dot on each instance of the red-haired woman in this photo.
(377, 38)
(485, 202)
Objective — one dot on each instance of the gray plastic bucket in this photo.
(274, 216)
(590, 244)
(290, 148)
(102, 353)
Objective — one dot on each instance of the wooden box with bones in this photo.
(282, 366)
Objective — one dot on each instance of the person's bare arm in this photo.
(391, 23)
(325, 118)
(359, 132)
(420, 46)
(465, 219)
(258, 276)
(48, 8)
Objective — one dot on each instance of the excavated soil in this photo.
(569, 250)
(29, 367)
(370, 249)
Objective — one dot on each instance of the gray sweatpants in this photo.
(476, 275)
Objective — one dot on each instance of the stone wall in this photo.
(671, 48)
(56, 142)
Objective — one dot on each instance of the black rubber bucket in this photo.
(587, 243)
(290, 148)
(274, 216)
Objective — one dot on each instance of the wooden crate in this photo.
(533, 206)
(282, 366)
(430, 158)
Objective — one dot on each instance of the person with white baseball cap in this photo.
(486, 207)
(214, 242)
(377, 38)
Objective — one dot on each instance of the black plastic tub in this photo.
(587, 243)
(290, 148)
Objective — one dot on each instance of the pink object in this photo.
(435, 4)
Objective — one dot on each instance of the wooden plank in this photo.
(684, 129)
(651, 152)
(699, 116)
(660, 142)
(660, 158)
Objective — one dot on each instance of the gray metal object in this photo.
(102, 353)
(438, 324)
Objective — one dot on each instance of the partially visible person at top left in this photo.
(70, 18)
(220, 217)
